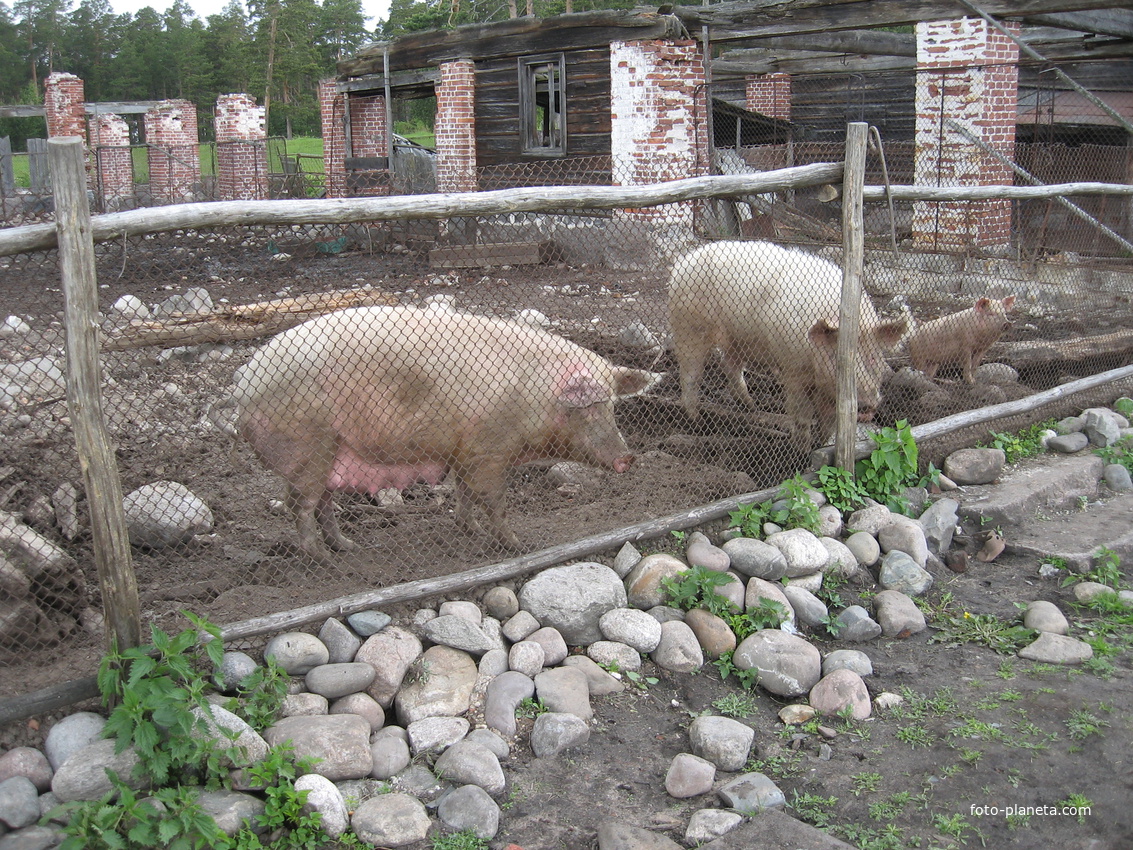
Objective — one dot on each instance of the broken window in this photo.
(542, 104)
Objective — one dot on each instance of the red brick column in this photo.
(241, 149)
(770, 95)
(63, 96)
(333, 112)
(966, 71)
(456, 128)
(174, 154)
(659, 121)
(110, 139)
(368, 138)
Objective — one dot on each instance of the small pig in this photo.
(759, 302)
(962, 338)
(383, 397)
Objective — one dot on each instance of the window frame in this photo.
(533, 130)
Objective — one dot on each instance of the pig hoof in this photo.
(510, 543)
(320, 555)
(342, 544)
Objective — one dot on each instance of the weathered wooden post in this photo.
(84, 396)
(849, 316)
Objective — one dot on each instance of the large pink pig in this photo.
(762, 303)
(383, 397)
(962, 338)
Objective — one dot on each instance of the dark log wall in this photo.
(587, 109)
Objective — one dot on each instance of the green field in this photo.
(307, 151)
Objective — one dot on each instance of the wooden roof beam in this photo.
(742, 20)
(1115, 22)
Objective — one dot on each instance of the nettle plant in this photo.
(890, 467)
(882, 476)
(159, 697)
(793, 509)
(696, 588)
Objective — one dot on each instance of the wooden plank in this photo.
(492, 254)
(366, 163)
(240, 321)
(513, 37)
(765, 18)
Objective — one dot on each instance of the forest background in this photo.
(276, 50)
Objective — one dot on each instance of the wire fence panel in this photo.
(486, 385)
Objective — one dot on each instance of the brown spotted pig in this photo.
(383, 397)
(962, 338)
(760, 303)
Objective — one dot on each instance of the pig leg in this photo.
(971, 364)
(692, 343)
(486, 485)
(800, 411)
(462, 509)
(328, 523)
(303, 508)
(311, 503)
(733, 362)
(692, 370)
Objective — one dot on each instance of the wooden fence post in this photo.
(849, 316)
(84, 395)
(7, 173)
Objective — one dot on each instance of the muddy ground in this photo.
(996, 732)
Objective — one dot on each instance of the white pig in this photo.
(377, 397)
(962, 338)
(759, 302)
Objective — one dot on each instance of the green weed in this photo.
(865, 783)
(466, 839)
(985, 630)
(890, 467)
(840, 488)
(1082, 724)
(813, 809)
(736, 705)
(793, 509)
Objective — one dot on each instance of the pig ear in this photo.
(982, 304)
(630, 382)
(581, 389)
(890, 333)
(824, 333)
(1008, 302)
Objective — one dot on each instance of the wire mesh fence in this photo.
(544, 377)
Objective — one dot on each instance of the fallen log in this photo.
(239, 321)
(1024, 355)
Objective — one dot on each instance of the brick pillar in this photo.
(456, 128)
(770, 95)
(241, 149)
(368, 138)
(659, 123)
(174, 154)
(110, 139)
(333, 112)
(967, 71)
(63, 96)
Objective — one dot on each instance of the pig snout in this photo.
(866, 414)
(622, 464)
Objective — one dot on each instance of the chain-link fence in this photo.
(544, 377)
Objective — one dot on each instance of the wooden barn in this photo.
(648, 95)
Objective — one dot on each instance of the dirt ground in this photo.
(991, 730)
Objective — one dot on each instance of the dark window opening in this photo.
(542, 104)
